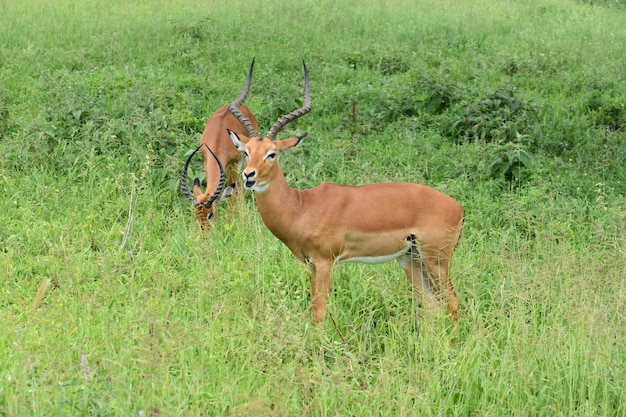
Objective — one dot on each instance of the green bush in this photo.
(500, 117)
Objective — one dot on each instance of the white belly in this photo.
(372, 259)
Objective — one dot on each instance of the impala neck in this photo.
(213, 178)
(279, 205)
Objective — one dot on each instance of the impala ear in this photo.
(196, 187)
(239, 144)
(289, 143)
(228, 191)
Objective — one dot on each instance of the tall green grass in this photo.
(112, 303)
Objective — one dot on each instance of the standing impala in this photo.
(414, 224)
(215, 140)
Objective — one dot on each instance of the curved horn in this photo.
(220, 186)
(183, 179)
(234, 106)
(306, 107)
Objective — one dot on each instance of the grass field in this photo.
(113, 304)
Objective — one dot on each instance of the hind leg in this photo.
(438, 266)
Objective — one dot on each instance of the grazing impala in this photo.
(215, 139)
(414, 224)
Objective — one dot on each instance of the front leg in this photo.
(321, 281)
(232, 177)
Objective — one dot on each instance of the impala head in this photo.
(262, 153)
(205, 210)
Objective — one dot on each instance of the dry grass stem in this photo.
(40, 293)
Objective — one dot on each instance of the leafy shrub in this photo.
(377, 112)
(387, 64)
(511, 160)
(439, 96)
(609, 3)
(498, 118)
(609, 112)
(390, 65)
(197, 29)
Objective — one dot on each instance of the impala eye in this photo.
(271, 155)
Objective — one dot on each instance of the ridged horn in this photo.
(183, 179)
(306, 107)
(234, 106)
(220, 186)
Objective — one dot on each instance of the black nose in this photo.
(250, 174)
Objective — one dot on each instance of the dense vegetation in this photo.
(112, 302)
